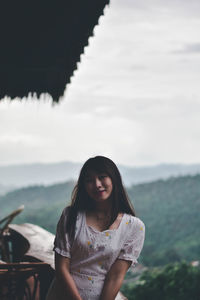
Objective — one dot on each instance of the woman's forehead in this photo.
(90, 173)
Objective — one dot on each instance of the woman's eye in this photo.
(102, 176)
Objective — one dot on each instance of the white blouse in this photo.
(93, 252)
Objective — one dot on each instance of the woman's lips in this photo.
(100, 192)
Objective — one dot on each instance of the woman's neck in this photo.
(103, 207)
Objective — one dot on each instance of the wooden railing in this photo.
(23, 281)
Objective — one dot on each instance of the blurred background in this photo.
(135, 98)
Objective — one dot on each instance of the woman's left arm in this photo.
(114, 279)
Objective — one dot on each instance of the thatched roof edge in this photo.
(19, 81)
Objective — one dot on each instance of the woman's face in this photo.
(98, 186)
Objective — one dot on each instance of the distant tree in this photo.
(178, 281)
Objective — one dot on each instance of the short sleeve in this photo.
(134, 243)
(62, 244)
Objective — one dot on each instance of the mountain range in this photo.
(169, 208)
(16, 176)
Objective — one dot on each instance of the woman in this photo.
(98, 237)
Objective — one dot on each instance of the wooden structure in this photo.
(41, 43)
(27, 260)
(22, 281)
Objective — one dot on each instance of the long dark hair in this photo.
(81, 200)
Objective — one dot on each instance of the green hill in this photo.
(43, 204)
(169, 208)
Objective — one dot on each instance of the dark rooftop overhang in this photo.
(41, 44)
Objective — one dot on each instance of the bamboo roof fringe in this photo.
(41, 44)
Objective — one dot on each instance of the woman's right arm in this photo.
(64, 278)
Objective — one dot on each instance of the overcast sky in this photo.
(135, 96)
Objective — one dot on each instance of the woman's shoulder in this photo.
(69, 209)
(134, 222)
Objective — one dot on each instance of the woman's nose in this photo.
(97, 182)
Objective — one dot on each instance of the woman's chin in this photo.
(101, 199)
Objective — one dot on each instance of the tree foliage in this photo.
(179, 281)
(170, 210)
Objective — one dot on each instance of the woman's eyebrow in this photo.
(88, 176)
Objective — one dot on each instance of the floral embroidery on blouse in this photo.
(108, 235)
(128, 222)
(89, 244)
(100, 263)
(90, 279)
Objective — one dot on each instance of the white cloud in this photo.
(132, 98)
